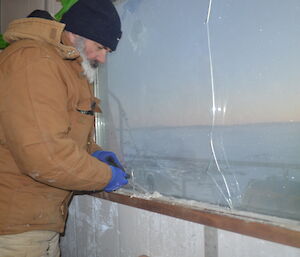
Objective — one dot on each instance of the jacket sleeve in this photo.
(94, 147)
(34, 116)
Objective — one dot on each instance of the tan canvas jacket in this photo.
(45, 142)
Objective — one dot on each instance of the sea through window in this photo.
(201, 101)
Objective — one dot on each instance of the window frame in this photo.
(271, 228)
(266, 227)
(278, 230)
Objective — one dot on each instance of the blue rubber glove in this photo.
(109, 158)
(117, 180)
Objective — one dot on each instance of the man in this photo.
(46, 123)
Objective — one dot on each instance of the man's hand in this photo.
(119, 176)
(109, 158)
(118, 179)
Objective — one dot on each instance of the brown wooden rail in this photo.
(287, 234)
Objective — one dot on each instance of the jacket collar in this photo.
(41, 30)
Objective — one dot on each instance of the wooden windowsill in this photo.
(273, 229)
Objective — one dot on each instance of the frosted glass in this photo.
(201, 101)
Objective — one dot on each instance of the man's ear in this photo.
(71, 36)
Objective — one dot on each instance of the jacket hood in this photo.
(41, 30)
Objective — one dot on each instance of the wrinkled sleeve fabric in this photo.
(35, 121)
(95, 147)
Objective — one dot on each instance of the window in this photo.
(201, 101)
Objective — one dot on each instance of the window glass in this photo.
(201, 101)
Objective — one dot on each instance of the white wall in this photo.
(14, 9)
(99, 228)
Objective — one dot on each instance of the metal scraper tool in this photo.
(129, 177)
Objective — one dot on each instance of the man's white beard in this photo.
(88, 70)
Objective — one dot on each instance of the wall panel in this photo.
(113, 230)
(14, 9)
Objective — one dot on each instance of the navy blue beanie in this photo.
(97, 20)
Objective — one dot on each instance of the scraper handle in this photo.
(111, 161)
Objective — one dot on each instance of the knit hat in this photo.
(97, 20)
(40, 14)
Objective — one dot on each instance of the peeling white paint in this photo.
(148, 196)
(102, 228)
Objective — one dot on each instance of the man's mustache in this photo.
(94, 64)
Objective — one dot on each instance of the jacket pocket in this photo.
(81, 127)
